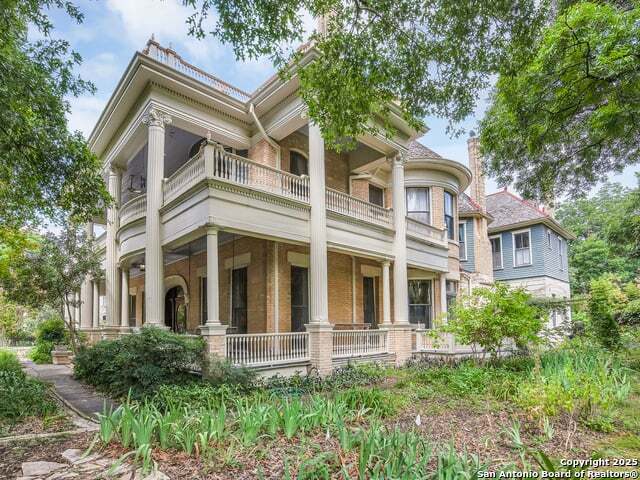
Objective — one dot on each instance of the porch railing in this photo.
(345, 204)
(134, 209)
(427, 341)
(267, 348)
(185, 177)
(357, 343)
(425, 231)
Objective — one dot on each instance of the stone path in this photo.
(83, 399)
(78, 466)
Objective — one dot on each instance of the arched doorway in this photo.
(175, 310)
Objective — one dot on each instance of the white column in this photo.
(276, 288)
(353, 290)
(443, 294)
(111, 255)
(213, 303)
(386, 294)
(124, 298)
(400, 288)
(76, 310)
(318, 247)
(154, 261)
(86, 291)
(96, 304)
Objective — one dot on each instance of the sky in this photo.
(113, 30)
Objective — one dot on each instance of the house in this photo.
(233, 221)
(511, 240)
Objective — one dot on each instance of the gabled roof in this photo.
(510, 211)
(418, 150)
(467, 205)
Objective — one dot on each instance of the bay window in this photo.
(418, 204)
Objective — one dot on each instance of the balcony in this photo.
(426, 233)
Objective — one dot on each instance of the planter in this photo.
(61, 355)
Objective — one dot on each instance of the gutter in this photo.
(269, 140)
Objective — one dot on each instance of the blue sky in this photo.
(114, 29)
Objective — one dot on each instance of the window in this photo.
(496, 252)
(239, 300)
(561, 253)
(448, 215)
(418, 204)
(132, 310)
(452, 292)
(549, 239)
(298, 164)
(369, 301)
(203, 300)
(420, 302)
(462, 239)
(522, 248)
(376, 195)
(299, 298)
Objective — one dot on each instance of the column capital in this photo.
(115, 170)
(212, 230)
(156, 118)
(386, 263)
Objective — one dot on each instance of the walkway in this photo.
(81, 398)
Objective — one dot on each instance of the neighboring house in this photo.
(511, 240)
(233, 221)
(529, 248)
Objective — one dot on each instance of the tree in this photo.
(607, 227)
(604, 296)
(491, 315)
(423, 57)
(45, 170)
(567, 110)
(52, 273)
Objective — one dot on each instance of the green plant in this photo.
(140, 363)
(602, 300)
(491, 316)
(22, 396)
(49, 333)
(222, 372)
(630, 314)
(381, 403)
(9, 362)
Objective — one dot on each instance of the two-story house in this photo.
(233, 221)
(508, 239)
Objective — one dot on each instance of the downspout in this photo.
(269, 140)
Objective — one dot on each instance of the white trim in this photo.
(239, 261)
(176, 281)
(501, 267)
(429, 200)
(549, 243)
(370, 271)
(298, 259)
(464, 225)
(513, 247)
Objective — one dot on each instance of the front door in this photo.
(239, 300)
(175, 317)
(299, 298)
(369, 299)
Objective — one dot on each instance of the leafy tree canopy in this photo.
(427, 57)
(567, 110)
(607, 227)
(45, 170)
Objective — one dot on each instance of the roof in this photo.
(510, 211)
(467, 205)
(418, 150)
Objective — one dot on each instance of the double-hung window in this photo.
(496, 252)
(561, 253)
(448, 215)
(418, 204)
(522, 248)
(376, 195)
(462, 240)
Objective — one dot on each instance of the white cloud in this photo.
(167, 21)
(103, 67)
(84, 114)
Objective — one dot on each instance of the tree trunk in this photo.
(71, 327)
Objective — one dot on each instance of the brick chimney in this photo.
(477, 188)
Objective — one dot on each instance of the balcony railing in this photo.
(344, 204)
(134, 209)
(267, 348)
(172, 59)
(424, 231)
(358, 343)
(216, 163)
(428, 341)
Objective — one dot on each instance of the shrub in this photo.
(222, 372)
(49, 333)
(630, 314)
(22, 396)
(490, 316)
(140, 362)
(602, 301)
(9, 362)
